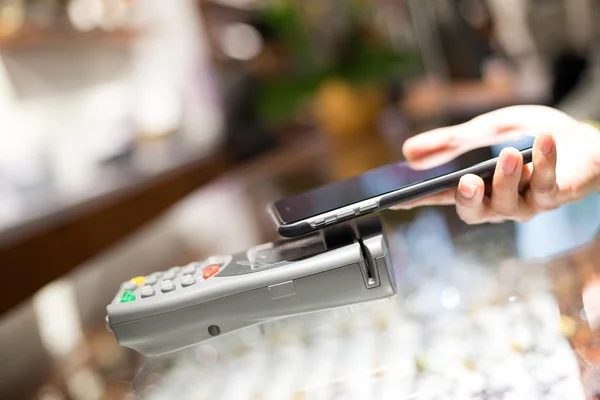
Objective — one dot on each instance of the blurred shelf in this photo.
(55, 232)
(31, 36)
(234, 5)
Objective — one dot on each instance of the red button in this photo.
(209, 271)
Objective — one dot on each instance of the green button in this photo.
(127, 296)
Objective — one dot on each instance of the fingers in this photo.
(543, 188)
(506, 200)
(526, 174)
(428, 143)
(518, 192)
(436, 147)
(469, 197)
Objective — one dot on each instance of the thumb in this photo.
(442, 145)
(428, 143)
(434, 147)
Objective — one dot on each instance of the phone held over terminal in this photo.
(376, 190)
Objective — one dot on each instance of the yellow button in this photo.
(138, 280)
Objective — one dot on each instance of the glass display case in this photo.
(475, 316)
(503, 311)
(472, 321)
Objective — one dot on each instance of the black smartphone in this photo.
(376, 190)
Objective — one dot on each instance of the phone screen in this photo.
(368, 185)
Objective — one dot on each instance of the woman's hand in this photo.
(565, 168)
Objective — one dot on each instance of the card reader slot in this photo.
(361, 229)
(370, 269)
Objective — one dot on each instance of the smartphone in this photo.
(376, 190)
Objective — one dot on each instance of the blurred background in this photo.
(140, 134)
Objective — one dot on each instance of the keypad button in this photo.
(169, 275)
(129, 286)
(157, 275)
(127, 296)
(189, 269)
(151, 280)
(167, 286)
(187, 280)
(175, 270)
(138, 280)
(209, 271)
(147, 291)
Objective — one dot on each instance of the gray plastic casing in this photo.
(167, 323)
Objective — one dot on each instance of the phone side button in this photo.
(367, 207)
(330, 220)
(319, 222)
(345, 214)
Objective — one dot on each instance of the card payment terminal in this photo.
(180, 307)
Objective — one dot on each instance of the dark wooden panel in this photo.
(55, 247)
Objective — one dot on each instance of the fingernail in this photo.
(546, 146)
(509, 164)
(468, 191)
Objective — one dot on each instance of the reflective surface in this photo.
(489, 312)
(472, 322)
(484, 312)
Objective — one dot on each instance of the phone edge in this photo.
(303, 227)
